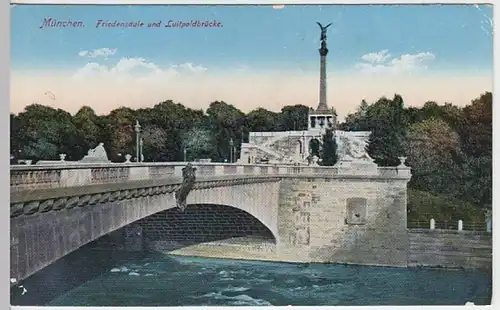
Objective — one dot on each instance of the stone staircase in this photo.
(287, 146)
(271, 141)
(267, 151)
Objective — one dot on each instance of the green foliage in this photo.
(226, 124)
(261, 120)
(477, 127)
(293, 118)
(448, 147)
(329, 149)
(315, 148)
(431, 146)
(198, 142)
(89, 130)
(422, 206)
(386, 119)
(43, 132)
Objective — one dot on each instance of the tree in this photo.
(175, 120)
(414, 115)
(261, 120)
(293, 118)
(477, 180)
(387, 121)
(119, 125)
(89, 130)
(17, 136)
(357, 121)
(432, 148)
(329, 150)
(155, 147)
(226, 123)
(477, 130)
(46, 132)
(199, 144)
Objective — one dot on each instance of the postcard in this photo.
(251, 155)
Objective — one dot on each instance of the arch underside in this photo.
(202, 223)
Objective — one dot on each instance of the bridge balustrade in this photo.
(29, 177)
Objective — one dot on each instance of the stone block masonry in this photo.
(172, 229)
(449, 249)
(339, 220)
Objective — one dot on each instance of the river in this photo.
(90, 277)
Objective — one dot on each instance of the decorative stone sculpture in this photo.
(62, 157)
(188, 180)
(353, 148)
(96, 155)
(314, 160)
(127, 158)
(402, 164)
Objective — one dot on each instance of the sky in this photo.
(259, 56)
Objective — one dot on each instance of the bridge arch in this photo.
(173, 229)
(260, 200)
(42, 238)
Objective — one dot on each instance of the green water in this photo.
(103, 278)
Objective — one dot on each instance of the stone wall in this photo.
(172, 229)
(357, 221)
(449, 249)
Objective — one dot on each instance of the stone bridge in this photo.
(315, 214)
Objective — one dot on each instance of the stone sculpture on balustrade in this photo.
(188, 181)
(353, 148)
(353, 157)
(96, 155)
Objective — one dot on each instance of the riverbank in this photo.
(255, 249)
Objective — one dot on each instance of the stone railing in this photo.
(27, 177)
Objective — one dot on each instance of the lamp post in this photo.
(231, 150)
(303, 146)
(137, 139)
(141, 144)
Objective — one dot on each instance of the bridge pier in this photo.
(352, 219)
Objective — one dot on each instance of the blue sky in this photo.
(258, 36)
(261, 57)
